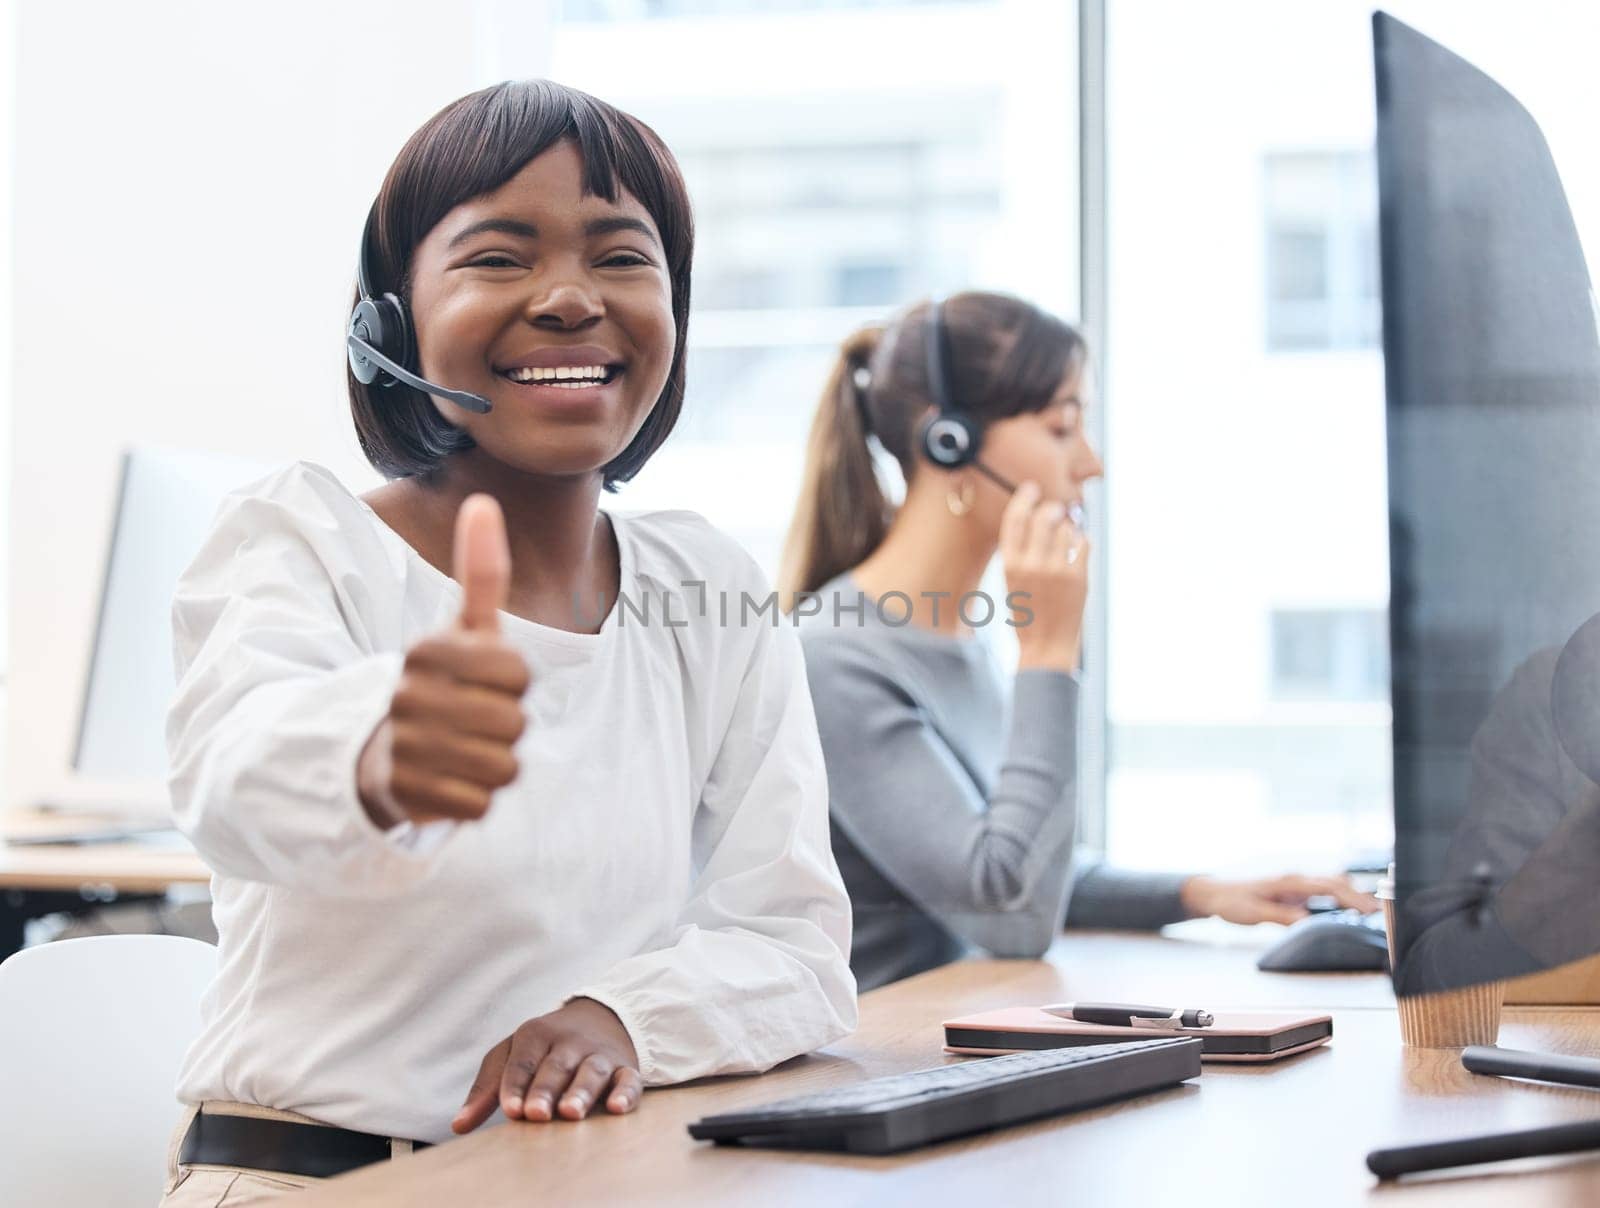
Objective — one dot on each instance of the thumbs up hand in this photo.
(482, 563)
(456, 714)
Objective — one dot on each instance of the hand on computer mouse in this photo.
(1271, 900)
(456, 714)
(561, 1064)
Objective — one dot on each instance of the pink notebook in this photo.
(1235, 1036)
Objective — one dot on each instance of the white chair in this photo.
(92, 1032)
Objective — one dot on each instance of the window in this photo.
(1327, 654)
(868, 284)
(1247, 531)
(1246, 545)
(832, 183)
(842, 225)
(642, 10)
(1322, 251)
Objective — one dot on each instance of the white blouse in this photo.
(664, 850)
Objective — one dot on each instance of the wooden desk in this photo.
(37, 880)
(126, 867)
(1292, 1133)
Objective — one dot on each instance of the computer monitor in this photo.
(1493, 379)
(166, 503)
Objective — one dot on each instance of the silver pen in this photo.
(1131, 1015)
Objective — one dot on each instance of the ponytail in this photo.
(842, 514)
(1009, 358)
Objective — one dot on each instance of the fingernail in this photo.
(514, 1103)
(1058, 511)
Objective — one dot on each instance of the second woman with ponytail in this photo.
(953, 793)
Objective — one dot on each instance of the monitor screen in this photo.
(165, 507)
(1493, 383)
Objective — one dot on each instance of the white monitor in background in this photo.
(166, 504)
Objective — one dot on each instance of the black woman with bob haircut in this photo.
(502, 826)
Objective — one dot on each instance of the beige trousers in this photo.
(200, 1186)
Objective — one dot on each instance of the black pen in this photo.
(1130, 1015)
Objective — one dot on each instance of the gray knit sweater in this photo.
(953, 807)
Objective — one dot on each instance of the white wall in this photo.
(191, 180)
(8, 114)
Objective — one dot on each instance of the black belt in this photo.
(316, 1151)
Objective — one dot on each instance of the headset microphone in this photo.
(951, 438)
(380, 341)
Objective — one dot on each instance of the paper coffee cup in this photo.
(1451, 1019)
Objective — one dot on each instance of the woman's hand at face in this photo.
(1271, 900)
(1046, 559)
(563, 1063)
(456, 715)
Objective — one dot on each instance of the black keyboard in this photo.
(901, 1111)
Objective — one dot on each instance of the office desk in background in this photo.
(1296, 1132)
(38, 880)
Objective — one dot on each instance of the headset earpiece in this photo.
(381, 341)
(381, 323)
(950, 438)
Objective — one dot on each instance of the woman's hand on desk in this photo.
(456, 714)
(563, 1062)
(1272, 900)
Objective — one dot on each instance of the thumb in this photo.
(482, 562)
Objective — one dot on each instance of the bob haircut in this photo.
(473, 146)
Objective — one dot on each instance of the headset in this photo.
(952, 437)
(381, 339)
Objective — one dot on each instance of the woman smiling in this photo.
(478, 852)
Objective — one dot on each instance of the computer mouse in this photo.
(1340, 941)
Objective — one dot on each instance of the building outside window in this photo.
(1322, 250)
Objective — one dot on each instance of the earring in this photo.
(960, 503)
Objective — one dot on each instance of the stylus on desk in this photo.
(1130, 1015)
(1542, 1067)
(1494, 1147)
(1501, 1147)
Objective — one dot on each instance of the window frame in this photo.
(1093, 307)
